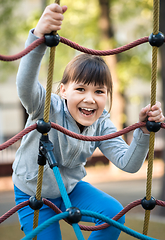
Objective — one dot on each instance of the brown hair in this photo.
(88, 69)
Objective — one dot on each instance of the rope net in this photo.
(64, 195)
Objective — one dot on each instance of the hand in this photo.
(51, 20)
(149, 113)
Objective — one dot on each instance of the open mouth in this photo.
(87, 111)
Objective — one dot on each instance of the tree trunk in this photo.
(105, 25)
(162, 55)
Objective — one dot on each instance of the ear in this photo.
(63, 90)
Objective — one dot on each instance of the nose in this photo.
(89, 98)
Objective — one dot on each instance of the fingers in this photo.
(53, 17)
(54, 7)
(144, 113)
(156, 115)
(153, 114)
(64, 8)
(51, 20)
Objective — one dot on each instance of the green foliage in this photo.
(80, 26)
(131, 20)
(8, 25)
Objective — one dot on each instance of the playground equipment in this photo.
(73, 214)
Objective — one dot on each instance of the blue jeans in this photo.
(84, 196)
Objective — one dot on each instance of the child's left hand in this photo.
(149, 113)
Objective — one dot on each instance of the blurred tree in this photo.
(129, 17)
(9, 26)
(101, 24)
(107, 42)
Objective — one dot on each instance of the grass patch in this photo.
(156, 230)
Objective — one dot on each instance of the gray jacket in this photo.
(70, 153)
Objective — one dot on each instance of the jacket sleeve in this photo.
(128, 158)
(30, 91)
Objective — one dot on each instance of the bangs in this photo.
(92, 70)
(88, 69)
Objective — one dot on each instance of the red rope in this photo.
(18, 136)
(102, 226)
(13, 210)
(71, 134)
(76, 46)
(105, 52)
(160, 203)
(85, 228)
(97, 138)
(162, 125)
(74, 135)
(118, 216)
(33, 45)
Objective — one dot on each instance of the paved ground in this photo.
(123, 186)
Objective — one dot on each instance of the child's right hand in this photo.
(50, 20)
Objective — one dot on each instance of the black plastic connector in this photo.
(74, 215)
(52, 40)
(46, 150)
(148, 204)
(153, 126)
(43, 127)
(34, 203)
(156, 40)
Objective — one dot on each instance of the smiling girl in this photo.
(85, 85)
(84, 89)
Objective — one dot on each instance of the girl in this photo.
(84, 89)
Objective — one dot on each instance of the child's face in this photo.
(85, 102)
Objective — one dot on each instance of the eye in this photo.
(80, 89)
(99, 91)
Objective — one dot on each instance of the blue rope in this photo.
(117, 225)
(62, 187)
(76, 227)
(44, 225)
(78, 231)
(66, 200)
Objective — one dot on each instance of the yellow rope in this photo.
(49, 84)
(46, 119)
(38, 196)
(153, 101)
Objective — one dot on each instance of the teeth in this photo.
(88, 109)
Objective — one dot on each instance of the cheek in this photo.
(102, 102)
(71, 104)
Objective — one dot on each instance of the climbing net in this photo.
(73, 215)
